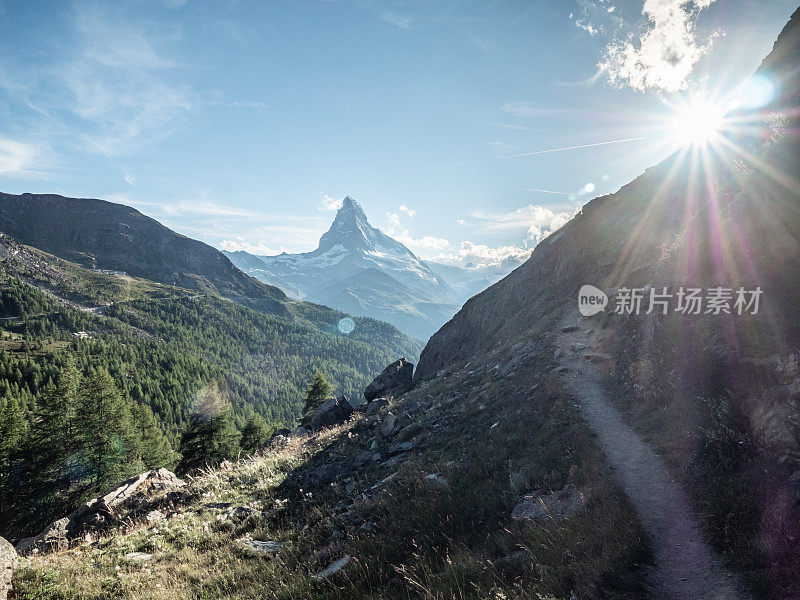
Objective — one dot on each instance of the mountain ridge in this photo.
(99, 234)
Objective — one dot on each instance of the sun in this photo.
(697, 122)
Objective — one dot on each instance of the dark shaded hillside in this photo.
(103, 235)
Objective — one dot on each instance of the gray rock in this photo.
(268, 546)
(389, 426)
(300, 431)
(135, 496)
(332, 568)
(138, 557)
(8, 560)
(555, 505)
(332, 412)
(374, 406)
(337, 534)
(394, 377)
(359, 404)
(400, 448)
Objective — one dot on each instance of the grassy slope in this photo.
(409, 536)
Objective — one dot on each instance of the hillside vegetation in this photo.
(160, 346)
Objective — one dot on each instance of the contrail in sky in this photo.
(549, 151)
(543, 191)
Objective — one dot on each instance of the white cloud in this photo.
(539, 221)
(426, 242)
(16, 158)
(537, 231)
(129, 179)
(519, 108)
(596, 17)
(481, 255)
(329, 203)
(480, 42)
(111, 90)
(409, 211)
(393, 18)
(241, 245)
(665, 54)
(120, 86)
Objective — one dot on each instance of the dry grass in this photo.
(437, 539)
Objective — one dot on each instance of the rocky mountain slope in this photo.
(103, 235)
(360, 270)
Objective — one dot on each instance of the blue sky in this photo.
(242, 123)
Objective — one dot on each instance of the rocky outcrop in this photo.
(132, 498)
(8, 560)
(555, 505)
(332, 412)
(393, 378)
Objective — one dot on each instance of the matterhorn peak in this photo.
(350, 228)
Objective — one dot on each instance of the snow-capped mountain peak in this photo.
(358, 268)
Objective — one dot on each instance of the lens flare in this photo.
(757, 92)
(697, 123)
(347, 325)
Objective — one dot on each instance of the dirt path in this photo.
(686, 567)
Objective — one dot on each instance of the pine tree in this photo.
(317, 392)
(154, 449)
(109, 441)
(212, 436)
(13, 428)
(55, 440)
(255, 434)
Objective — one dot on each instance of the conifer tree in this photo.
(55, 439)
(255, 433)
(154, 449)
(212, 436)
(109, 441)
(13, 427)
(317, 392)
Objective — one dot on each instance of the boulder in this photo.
(8, 560)
(394, 377)
(401, 447)
(555, 505)
(389, 426)
(267, 546)
(333, 411)
(132, 498)
(374, 406)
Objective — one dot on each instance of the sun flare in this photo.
(697, 123)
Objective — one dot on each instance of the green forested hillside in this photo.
(157, 347)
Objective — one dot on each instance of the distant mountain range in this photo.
(360, 270)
